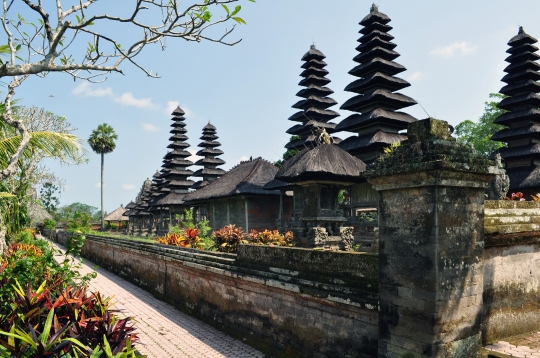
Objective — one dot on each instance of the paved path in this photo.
(527, 345)
(163, 330)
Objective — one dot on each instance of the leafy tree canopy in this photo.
(102, 139)
(67, 212)
(479, 133)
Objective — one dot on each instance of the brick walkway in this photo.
(527, 345)
(163, 330)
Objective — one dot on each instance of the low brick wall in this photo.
(304, 303)
(511, 269)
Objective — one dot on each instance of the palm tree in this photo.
(102, 142)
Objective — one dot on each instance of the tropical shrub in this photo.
(79, 222)
(228, 237)
(49, 224)
(271, 238)
(184, 238)
(65, 322)
(30, 262)
(515, 196)
(186, 221)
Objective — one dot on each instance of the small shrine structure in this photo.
(318, 174)
(522, 121)
(314, 114)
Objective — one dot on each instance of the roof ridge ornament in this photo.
(521, 31)
(374, 8)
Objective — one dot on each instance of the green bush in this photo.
(59, 318)
(49, 224)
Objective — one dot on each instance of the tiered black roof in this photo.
(173, 183)
(315, 103)
(141, 201)
(376, 122)
(209, 151)
(522, 135)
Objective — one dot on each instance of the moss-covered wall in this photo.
(512, 269)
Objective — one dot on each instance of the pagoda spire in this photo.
(314, 113)
(209, 151)
(174, 182)
(522, 121)
(376, 121)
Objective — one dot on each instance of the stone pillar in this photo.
(431, 242)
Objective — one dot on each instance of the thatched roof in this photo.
(325, 162)
(117, 215)
(248, 177)
(524, 177)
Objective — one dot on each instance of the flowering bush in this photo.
(228, 237)
(536, 197)
(271, 238)
(183, 238)
(515, 196)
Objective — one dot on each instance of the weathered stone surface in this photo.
(273, 305)
(431, 194)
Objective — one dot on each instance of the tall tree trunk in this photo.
(3, 230)
(102, 212)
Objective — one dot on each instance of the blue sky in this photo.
(453, 50)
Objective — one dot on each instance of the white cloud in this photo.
(415, 77)
(98, 185)
(127, 99)
(193, 157)
(128, 186)
(171, 106)
(150, 127)
(244, 158)
(461, 48)
(84, 90)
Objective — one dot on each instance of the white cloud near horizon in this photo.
(150, 127)
(128, 186)
(415, 77)
(126, 99)
(456, 48)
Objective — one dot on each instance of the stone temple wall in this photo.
(511, 269)
(304, 302)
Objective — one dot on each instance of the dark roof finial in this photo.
(521, 31)
(312, 46)
(374, 8)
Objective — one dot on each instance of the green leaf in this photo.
(63, 60)
(43, 337)
(239, 20)
(18, 47)
(236, 10)
(78, 19)
(20, 59)
(226, 9)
